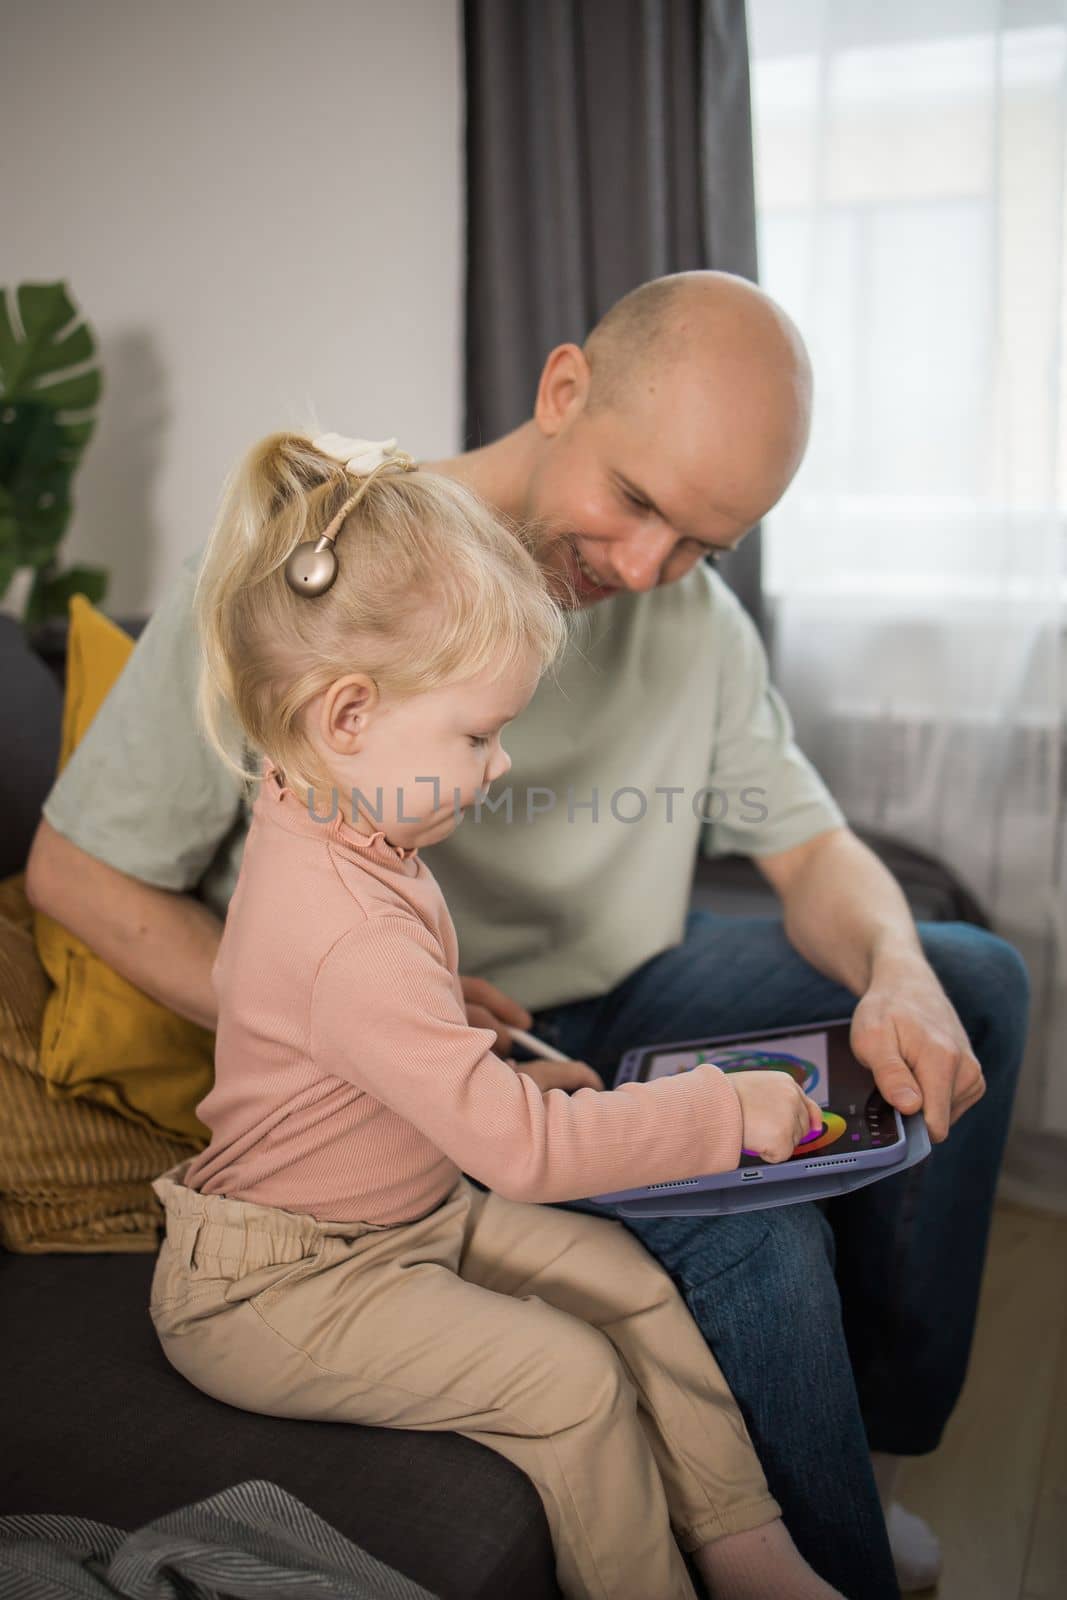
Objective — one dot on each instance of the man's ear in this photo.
(345, 710)
(563, 388)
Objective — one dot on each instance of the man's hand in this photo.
(489, 1007)
(559, 1074)
(905, 1029)
(846, 915)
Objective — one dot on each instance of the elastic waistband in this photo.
(243, 1234)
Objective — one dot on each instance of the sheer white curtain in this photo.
(910, 172)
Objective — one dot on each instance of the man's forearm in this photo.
(168, 951)
(163, 942)
(847, 915)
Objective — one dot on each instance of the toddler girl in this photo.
(324, 1256)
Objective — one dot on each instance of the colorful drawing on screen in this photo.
(744, 1058)
(803, 1056)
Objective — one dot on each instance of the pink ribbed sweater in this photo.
(348, 1083)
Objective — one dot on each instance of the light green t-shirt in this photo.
(561, 900)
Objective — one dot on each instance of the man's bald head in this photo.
(688, 318)
(672, 432)
(709, 356)
(635, 335)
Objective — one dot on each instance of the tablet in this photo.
(862, 1135)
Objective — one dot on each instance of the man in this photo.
(650, 452)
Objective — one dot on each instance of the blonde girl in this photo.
(371, 629)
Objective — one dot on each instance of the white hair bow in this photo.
(358, 456)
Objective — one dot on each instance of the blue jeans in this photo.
(847, 1327)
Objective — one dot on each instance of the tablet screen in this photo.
(855, 1116)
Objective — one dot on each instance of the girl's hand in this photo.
(489, 1007)
(559, 1074)
(776, 1114)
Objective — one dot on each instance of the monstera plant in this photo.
(49, 388)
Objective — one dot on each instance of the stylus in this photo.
(537, 1047)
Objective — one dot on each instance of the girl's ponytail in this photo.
(276, 494)
(431, 586)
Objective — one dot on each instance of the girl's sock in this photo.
(760, 1563)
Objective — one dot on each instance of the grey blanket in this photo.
(254, 1539)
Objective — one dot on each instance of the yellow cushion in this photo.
(102, 1038)
(73, 1176)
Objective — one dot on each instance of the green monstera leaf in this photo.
(41, 340)
(47, 396)
(35, 477)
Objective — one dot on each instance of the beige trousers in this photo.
(550, 1336)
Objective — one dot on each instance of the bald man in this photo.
(650, 453)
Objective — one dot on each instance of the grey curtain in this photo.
(608, 142)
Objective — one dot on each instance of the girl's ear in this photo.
(345, 712)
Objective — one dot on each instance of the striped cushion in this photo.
(73, 1175)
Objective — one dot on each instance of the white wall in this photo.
(258, 205)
